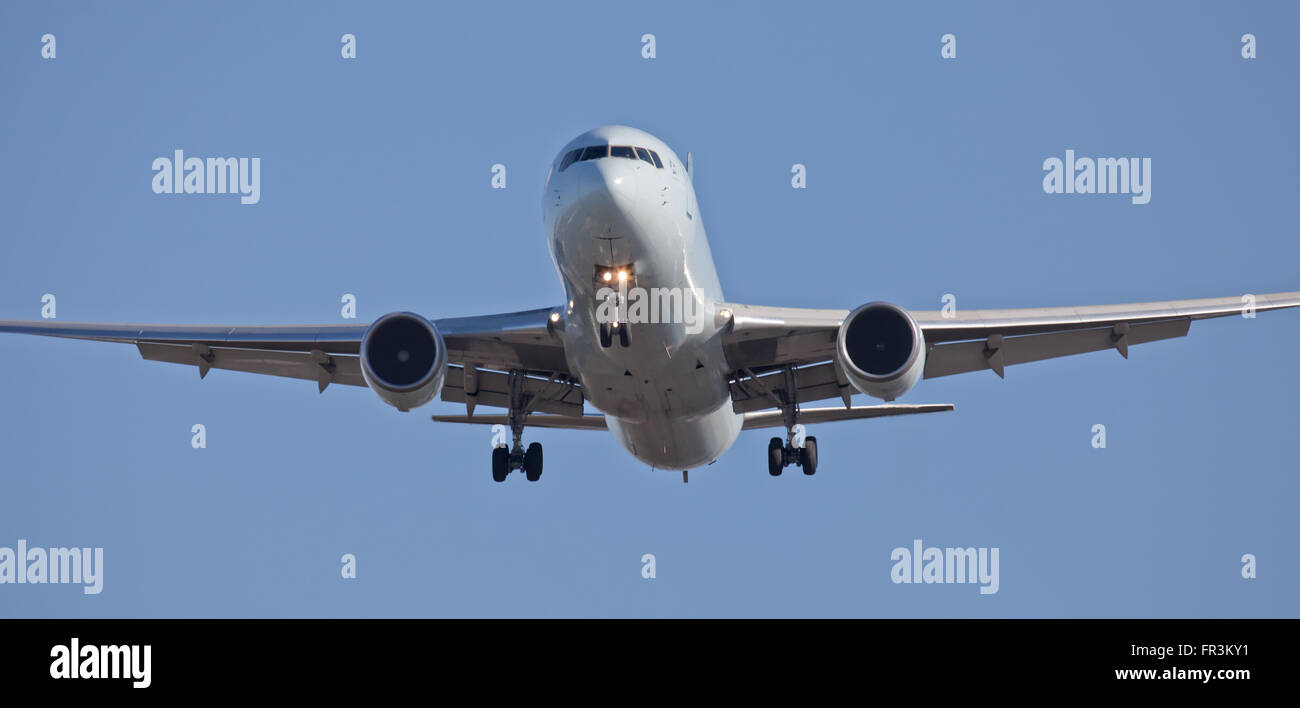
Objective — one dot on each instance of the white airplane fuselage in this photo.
(664, 395)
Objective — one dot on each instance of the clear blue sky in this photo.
(924, 178)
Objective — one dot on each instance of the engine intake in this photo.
(403, 360)
(881, 350)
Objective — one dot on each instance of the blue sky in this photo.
(924, 178)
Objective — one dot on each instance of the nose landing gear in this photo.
(610, 330)
(612, 313)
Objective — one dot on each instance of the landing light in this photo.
(555, 317)
(608, 276)
(622, 275)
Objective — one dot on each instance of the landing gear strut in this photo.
(616, 302)
(506, 460)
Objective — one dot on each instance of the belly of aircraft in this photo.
(662, 378)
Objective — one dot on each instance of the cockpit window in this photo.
(598, 151)
(569, 159)
(594, 152)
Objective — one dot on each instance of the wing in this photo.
(761, 342)
(488, 347)
(763, 419)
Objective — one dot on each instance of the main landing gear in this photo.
(783, 454)
(506, 460)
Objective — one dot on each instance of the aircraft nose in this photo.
(617, 178)
(608, 190)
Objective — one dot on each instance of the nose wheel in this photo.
(610, 331)
(614, 327)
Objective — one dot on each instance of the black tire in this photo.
(606, 337)
(623, 335)
(533, 462)
(808, 456)
(775, 456)
(500, 463)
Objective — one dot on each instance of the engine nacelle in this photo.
(881, 350)
(403, 359)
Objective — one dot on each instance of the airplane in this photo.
(674, 387)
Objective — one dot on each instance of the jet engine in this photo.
(403, 359)
(881, 350)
